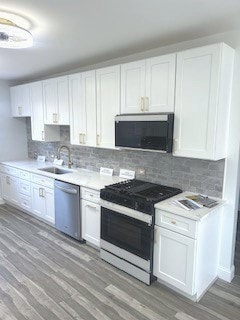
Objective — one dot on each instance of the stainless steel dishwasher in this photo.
(67, 209)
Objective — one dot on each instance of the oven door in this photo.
(130, 234)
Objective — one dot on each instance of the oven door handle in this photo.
(127, 211)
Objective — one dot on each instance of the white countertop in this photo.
(198, 214)
(78, 176)
(94, 180)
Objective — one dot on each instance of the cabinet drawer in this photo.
(176, 223)
(44, 181)
(24, 175)
(10, 170)
(90, 194)
(25, 202)
(24, 187)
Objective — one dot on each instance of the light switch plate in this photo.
(106, 171)
(41, 158)
(127, 174)
(58, 162)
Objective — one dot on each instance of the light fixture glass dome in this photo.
(13, 36)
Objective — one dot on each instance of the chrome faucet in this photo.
(69, 154)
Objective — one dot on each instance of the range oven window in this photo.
(127, 233)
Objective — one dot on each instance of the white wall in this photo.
(13, 132)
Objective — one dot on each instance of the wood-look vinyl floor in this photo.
(45, 275)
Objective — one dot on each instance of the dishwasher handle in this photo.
(67, 190)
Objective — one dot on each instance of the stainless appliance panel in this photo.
(121, 264)
(67, 209)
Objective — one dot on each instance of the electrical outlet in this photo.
(141, 171)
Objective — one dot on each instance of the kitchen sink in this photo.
(55, 170)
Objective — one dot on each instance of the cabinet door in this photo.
(160, 84)
(82, 88)
(197, 80)
(174, 259)
(50, 101)
(14, 191)
(43, 202)
(20, 100)
(5, 184)
(108, 104)
(38, 201)
(56, 101)
(10, 191)
(49, 213)
(36, 97)
(77, 110)
(91, 222)
(132, 87)
(62, 101)
(40, 132)
(89, 107)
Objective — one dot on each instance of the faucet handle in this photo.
(70, 163)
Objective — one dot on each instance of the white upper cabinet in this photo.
(20, 100)
(108, 105)
(40, 132)
(203, 92)
(56, 101)
(160, 83)
(82, 93)
(132, 87)
(148, 85)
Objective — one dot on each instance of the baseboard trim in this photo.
(2, 201)
(226, 274)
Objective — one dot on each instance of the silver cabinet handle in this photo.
(40, 192)
(84, 141)
(43, 135)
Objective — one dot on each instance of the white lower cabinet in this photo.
(91, 215)
(9, 186)
(186, 251)
(174, 259)
(91, 222)
(43, 202)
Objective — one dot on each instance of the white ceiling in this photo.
(70, 34)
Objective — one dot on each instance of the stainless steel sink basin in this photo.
(55, 170)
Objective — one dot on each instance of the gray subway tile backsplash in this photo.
(188, 174)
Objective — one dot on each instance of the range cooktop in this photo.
(137, 194)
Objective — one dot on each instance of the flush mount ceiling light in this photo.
(14, 37)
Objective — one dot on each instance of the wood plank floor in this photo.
(47, 275)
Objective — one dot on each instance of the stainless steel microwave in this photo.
(145, 131)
